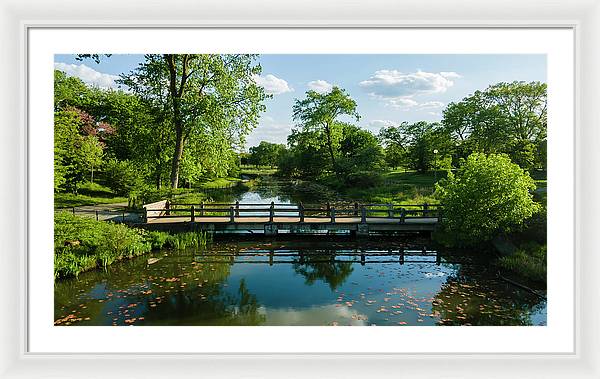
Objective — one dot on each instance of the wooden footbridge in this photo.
(358, 219)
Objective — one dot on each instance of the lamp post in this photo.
(435, 152)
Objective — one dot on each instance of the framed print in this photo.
(337, 198)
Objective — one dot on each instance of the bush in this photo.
(488, 196)
(363, 179)
(82, 244)
(123, 178)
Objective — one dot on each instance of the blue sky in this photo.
(388, 89)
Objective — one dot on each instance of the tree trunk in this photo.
(330, 146)
(177, 158)
(158, 179)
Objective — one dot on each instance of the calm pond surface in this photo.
(316, 280)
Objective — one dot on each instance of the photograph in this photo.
(300, 189)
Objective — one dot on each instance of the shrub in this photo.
(82, 244)
(122, 177)
(363, 179)
(488, 195)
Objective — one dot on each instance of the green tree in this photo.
(200, 91)
(506, 118)
(320, 111)
(359, 150)
(417, 143)
(89, 154)
(489, 195)
(266, 154)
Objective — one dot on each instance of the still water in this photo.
(317, 280)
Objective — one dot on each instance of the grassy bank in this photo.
(87, 194)
(529, 262)
(397, 187)
(82, 244)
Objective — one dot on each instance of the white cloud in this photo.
(398, 89)
(401, 102)
(376, 125)
(450, 74)
(393, 83)
(269, 130)
(431, 105)
(320, 86)
(272, 84)
(88, 75)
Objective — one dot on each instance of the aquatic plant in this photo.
(82, 244)
(182, 241)
(529, 261)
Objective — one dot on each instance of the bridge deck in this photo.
(290, 220)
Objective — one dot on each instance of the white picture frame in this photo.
(18, 17)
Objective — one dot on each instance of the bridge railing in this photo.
(328, 211)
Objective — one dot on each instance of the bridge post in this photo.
(362, 259)
(271, 211)
(390, 211)
(145, 215)
(96, 215)
(332, 214)
(363, 215)
(328, 207)
(402, 215)
(425, 209)
(231, 214)
(202, 209)
(237, 209)
(301, 211)
(193, 213)
(271, 229)
(401, 259)
(355, 208)
(168, 207)
(271, 254)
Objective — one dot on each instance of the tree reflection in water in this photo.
(322, 267)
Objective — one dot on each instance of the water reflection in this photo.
(294, 283)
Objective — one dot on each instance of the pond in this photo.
(316, 280)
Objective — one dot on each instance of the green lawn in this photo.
(219, 183)
(88, 194)
(262, 170)
(398, 187)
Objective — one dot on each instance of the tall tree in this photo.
(504, 118)
(322, 110)
(201, 91)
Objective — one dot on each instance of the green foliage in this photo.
(488, 195)
(81, 244)
(529, 261)
(266, 154)
(363, 179)
(182, 241)
(506, 118)
(123, 177)
(74, 154)
(319, 112)
(359, 150)
(421, 146)
(202, 96)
